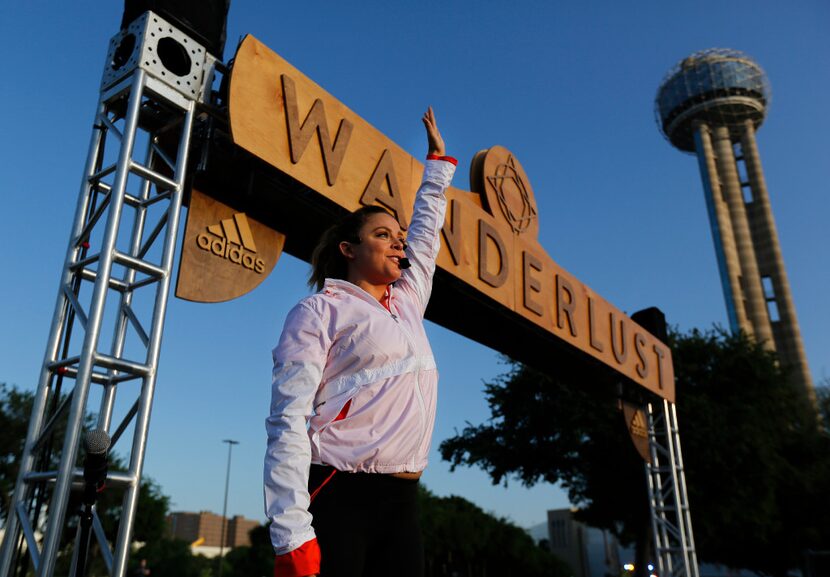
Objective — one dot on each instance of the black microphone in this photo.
(96, 444)
(404, 263)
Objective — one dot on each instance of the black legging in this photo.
(366, 524)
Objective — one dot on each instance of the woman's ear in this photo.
(346, 249)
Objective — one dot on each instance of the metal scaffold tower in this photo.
(668, 499)
(116, 277)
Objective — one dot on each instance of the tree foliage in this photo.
(15, 409)
(757, 464)
(258, 559)
(459, 540)
(757, 455)
(542, 429)
(174, 558)
(462, 540)
(153, 505)
(823, 402)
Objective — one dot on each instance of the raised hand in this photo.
(434, 140)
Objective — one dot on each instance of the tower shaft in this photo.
(755, 283)
(785, 330)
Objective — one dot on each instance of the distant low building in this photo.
(204, 530)
(590, 552)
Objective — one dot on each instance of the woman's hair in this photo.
(327, 261)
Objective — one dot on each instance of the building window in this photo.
(769, 296)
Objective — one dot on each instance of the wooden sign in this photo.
(490, 235)
(225, 253)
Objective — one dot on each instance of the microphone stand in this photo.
(82, 544)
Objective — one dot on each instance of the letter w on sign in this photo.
(315, 122)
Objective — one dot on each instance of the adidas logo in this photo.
(231, 239)
(638, 425)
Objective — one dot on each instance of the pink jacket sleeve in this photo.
(299, 359)
(424, 234)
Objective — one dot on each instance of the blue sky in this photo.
(567, 87)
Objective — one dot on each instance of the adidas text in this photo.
(234, 253)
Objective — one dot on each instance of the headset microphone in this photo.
(404, 263)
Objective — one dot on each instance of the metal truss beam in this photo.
(115, 279)
(668, 499)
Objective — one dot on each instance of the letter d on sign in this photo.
(497, 279)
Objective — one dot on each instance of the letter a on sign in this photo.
(384, 174)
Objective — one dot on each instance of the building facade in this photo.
(589, 551)
(205, 528)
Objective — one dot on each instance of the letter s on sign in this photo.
(642, 363)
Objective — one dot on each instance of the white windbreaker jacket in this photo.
(341, 344)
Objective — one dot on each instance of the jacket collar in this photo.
(335, 286)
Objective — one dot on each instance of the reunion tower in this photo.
(710, 104)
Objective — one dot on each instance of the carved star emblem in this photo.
(508, 183)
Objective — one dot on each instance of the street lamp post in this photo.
(230, 443)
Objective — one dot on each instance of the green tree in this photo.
(153, 505)
(151, 512)
(253, 561)
(462, 540)
(459, 539)
(757, 466)
(544, 430)
(15, 409)
(823, 402)
(172, 558)
(757, 455)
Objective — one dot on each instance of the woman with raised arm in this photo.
(354, 391)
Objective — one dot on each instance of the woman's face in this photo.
(376, 258)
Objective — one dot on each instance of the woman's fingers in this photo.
(434, 140)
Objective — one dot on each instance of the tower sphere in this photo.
(718, 86)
